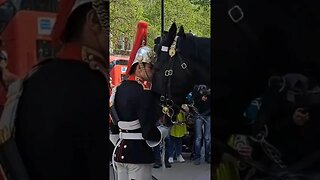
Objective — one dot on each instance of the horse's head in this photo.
(180, 64)
(171, 77)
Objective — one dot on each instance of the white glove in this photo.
(164, 131)
(114, 138)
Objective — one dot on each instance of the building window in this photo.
(44, 5)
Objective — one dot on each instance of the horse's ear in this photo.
(173, 28)
(171, 34)
(181, 32)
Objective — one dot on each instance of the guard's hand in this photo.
(204, 98)
(300, 117)
(245, 151)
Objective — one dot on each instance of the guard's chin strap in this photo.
(101, 8)
(143, 69)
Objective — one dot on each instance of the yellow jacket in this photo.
(180, 129)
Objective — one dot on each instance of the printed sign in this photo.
(45, 25)
(123, 69)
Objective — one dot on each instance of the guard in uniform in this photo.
(61, 125)
(135, 106)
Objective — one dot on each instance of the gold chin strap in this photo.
(140, 62)
(102, 7)
(143, 69)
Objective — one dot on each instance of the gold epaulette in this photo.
(89, 54)
(95, 60)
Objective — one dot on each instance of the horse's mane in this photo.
(202, 55)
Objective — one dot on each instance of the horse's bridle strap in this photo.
(173, 52)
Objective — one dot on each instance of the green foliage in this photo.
(124, 15)
(201, 2)
(194, 15)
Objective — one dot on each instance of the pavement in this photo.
(180, 171)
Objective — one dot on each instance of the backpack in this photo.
(252, 110)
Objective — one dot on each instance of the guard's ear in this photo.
(93, 21)
(173, 28)
(171, 34)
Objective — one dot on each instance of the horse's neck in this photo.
(202, 76)
(202, 64)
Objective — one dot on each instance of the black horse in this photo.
(190, 64)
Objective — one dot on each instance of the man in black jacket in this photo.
(201, 96)
(61, 125)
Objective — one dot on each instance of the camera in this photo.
(203, 89)
(205, 92)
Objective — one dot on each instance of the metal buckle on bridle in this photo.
(169, 102)
(170, 113)
(184, 65)
(259, 137)
(168, 72)
(236, 13)
(162, 98)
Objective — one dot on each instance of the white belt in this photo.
(129, 125)
(136, 136)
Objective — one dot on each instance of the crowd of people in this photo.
(191, 130)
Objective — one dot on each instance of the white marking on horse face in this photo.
(164, 48)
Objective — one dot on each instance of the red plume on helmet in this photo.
(141, 37)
